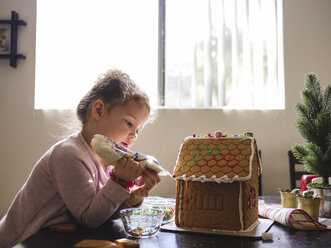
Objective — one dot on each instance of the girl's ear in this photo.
(98, 108)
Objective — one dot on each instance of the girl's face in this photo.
(123, 123)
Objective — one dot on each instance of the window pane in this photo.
(224, 53)
(79, 39)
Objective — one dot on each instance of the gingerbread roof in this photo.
(211, 159)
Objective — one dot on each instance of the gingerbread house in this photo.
(217, 182)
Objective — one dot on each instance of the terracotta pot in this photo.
(288, 200)
(310, 206)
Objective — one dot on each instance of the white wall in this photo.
(26, 133)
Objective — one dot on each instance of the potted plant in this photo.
(314, 124)
(288, 197)
(309, 202)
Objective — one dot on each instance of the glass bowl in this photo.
(141, 222)
(166, 204)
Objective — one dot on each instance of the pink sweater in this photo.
(67, 185)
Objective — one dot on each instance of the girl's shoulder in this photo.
(70, 152)
(69, 145)
(73, 147)
(73, 141)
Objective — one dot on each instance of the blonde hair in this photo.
(115, 88)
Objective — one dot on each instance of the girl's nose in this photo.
(133, 136)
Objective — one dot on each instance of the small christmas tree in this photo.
(314, 124)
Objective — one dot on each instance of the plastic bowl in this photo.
(141, 222)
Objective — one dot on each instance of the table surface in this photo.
(111, 230)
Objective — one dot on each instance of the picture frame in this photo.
(5, 37)
(9, 33)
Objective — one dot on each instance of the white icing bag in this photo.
(111, 152)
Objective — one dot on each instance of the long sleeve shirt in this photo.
(67, 185)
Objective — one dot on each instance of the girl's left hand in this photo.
(146, 183)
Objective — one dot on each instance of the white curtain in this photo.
(224, 53)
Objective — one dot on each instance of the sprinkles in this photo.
(141, 231)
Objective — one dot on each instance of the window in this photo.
(187, 53)
(79, 39)
(224, 53)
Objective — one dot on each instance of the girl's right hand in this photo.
(126, 169)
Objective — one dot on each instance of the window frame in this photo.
(161, 54)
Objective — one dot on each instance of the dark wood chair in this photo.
(260, 185)
(296, 170)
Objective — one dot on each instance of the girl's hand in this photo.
(127, 169)
(146, 183)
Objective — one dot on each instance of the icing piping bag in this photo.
(111, 152)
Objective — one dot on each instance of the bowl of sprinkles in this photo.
(141, 222)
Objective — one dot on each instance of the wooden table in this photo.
(282, 237)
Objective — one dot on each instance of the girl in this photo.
(70, 183)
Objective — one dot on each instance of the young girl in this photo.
(70, 183)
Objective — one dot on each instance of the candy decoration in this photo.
(252, 199)
(218, 134)
(250, 134)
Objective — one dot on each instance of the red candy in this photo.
(218, 134)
